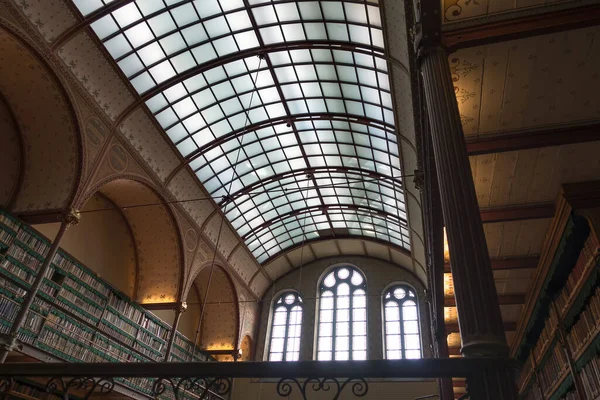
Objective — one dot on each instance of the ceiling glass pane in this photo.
(282, 109)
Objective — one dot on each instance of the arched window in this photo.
(286, 328)
(342, 315)
(402, 338)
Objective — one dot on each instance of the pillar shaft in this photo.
(174, 328)
(480, 322)
(70, 219)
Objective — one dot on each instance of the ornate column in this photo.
(480, 321)
(180, 310)
(434, 231)
(10, 341)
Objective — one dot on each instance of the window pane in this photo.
(411, 327)
(286, 330)
(411, 342)
(325, 343)
(393, 342)
(409, 312)
(359, 343)
(326, 316)
(342, 318)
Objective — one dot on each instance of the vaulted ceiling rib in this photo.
(295, 141)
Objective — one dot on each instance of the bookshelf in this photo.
(76, 316)
(567, 349)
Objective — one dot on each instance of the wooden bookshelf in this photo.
(76, 316)
(575, 315)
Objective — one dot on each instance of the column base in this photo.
(484, 347)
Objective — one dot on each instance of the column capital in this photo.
(71, 217)
(182, 307)
(419, 179)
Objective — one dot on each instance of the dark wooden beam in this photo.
(161, 306)
(515, 140)
(503, 300)
(517, 213)
(489, 32)
(500, 264)
(508, 326)
(422, 368)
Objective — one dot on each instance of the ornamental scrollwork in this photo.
(285, 386)
(201, 388)
(6, 384)
(86, 386)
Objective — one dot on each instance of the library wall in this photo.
(11, 154)
(102, 241)
(379, 274)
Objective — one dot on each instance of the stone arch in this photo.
(156, 234)
(50, 154)
(219, 329)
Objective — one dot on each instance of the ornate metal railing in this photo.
(215, 380)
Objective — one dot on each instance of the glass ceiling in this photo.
(282, 108)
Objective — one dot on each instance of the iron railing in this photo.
(214, 380)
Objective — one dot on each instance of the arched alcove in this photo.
(103, 241)
(43, 170)
(155, 235)
(220, 320)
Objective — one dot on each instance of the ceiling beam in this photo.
(517, 213)
(503, 300)
(489, 32)
(508, 326)
(500, 264)
(516, 140)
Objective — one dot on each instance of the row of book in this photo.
(79, 301)
(547, 335)
(586, 325)
(23, 389)
(66, 304)
(6, 237)
(33, 242)
(66, 324)
(553, 368)
(9, 222)
(585, 257)
(90, 280)
(16, 270)
(150, 340)
(50, 339)
(154, 327)
(121, 323)
(109, 330)
(21, 255)
(590, 377)
(125, 308)
(76, 286)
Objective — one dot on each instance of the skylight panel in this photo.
(279, 124)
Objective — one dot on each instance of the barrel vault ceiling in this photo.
(292, 119)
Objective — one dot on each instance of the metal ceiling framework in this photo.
(282, 108)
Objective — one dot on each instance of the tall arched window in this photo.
(286, 328)
(402, 338)
(342, 315)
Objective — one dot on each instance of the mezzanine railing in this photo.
(216, 380)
